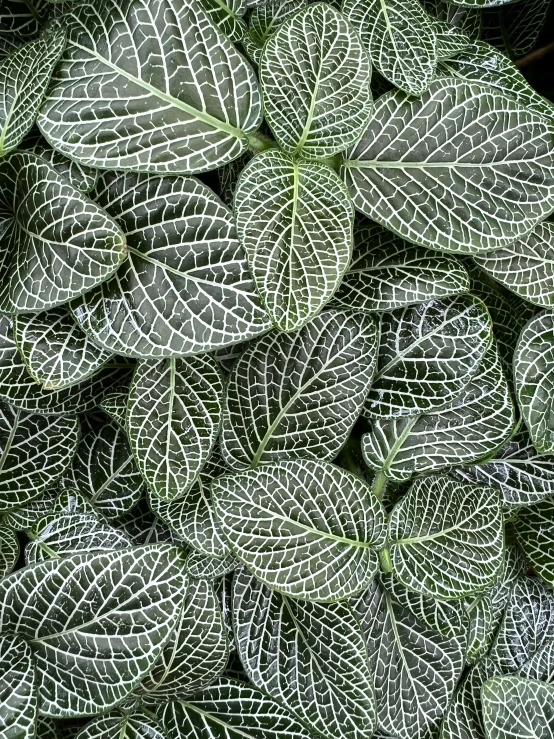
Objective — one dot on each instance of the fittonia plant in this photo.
(276, 371)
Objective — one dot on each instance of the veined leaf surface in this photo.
(464, 718)
(81, 177)
(535, 535)
(119, 725)
(9, 549)
(515, 27)
(516, 708)
(18, 688)
(23, 518)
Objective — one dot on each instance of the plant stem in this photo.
(258, 142)
(379, 485)
(385, 560)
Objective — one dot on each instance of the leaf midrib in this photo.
(211, 717)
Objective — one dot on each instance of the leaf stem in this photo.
(385, 560)
(379, 484)
(258, 142)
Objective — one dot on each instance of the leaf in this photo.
(264, 21)
(400, 38)
(9, 549)
(231, 709)
(35, 452)
(523, 476)
(467, 20)
(387, 272)
(46, 728)
(315, 76)
(535, 535)
(460, 169)
(319, 546)
(473, 427)
(446, 538)
(415, 669)
(294, 221)
(19, 22)
(56, 242)
(428, 353)
(82, 178)
(90, 616)
(56, 352)
(527, 266)
(541, 664)
(227, 15)
(515, 708)
(482, 63)
(105, 472)
(463, 720)
(18, 689)
(481, 3)
(23, 518)
(299, 394)
(534, 379)
(136, 725)
(24, 78)
(184, 288)
(142, 527)
(155, 108)
(516, 27)
(203, 567)
(284, 643)
(173, 417)
(114, 403)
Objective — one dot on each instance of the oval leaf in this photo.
(516, 708)
(18, 688)
(535, 535)
(135, 725)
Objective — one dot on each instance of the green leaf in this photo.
(56, 352)
(428, 353)
(541, 664)
(156, 107)
(415, 669)
(136, 725)
(114, 403)
(474, 426)
(89, 616)
(463, 168)
(18, 689)
(315, 76)
(105, 472)
(9, 549)
(320, 545)
(227, 16)
(142, 527)
(535, 535)
(264, 21)
(400, 38)
(35, 452)
(534, 379)
(173, 418)
(299, 394)
(515, 708)
(463, 720)
(82, 178)
(446, 539)
(23, 518)
(387, 272)
(184, 288)
(467, 20)
(515, 27)
(321, 644)
(481, 3)
(294, 221)
(230, 709)
(203, 567)
(56, 243)
(195, 654)
(46, 728)
(20, 22)
(24, 78)
(482, 63)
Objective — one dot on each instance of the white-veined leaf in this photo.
(230, 709)
(415, 669)
(143, 527)
(294, 220)
(114, 403)
(541, 664)
(227, 16)
(138, 724)
(88, 617)
(105, 472)
(81, 177)
(474, 426)
(69, 501)
(264, 21)
(315, 76)
(284, 643)
(467, 20)
(534, 529)
(23, 518)
(19, 22)
(400, 38)
(184, 288)
(46, 728)
(480, 3)
(534, 379)
(463, 720)
(299, 394)
(516, 708)
(9, 549)
(446, 539)
(387, 273)
(18, 689)
(203, 567)
(306, 528)
(463, 168)
(173, 418)
(36, 450)
(428, 353)
(56, 242)
(154, 107)
(24, 78)
(516, 26)
(55, 351)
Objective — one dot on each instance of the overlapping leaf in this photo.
(516, 708)
(81, 177)
(515, 27)
(18, 688)
(535, 535)
(23, 518)
(264, 21)
(228, 16)
(119, 725)
(9, 549)
(203, 567)
(463, 719)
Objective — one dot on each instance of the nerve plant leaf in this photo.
(87, 616)
(81, 177)
(121, 725)
(535, 535)
(24, 78)
(386, 273)
(463, 168)
(203, 567)
(516, 708)
(400, 38)
(9, 549)
(534, 379)
(265, 20)
(466, 20)
(299, 394)
(446, 539)
(315, 76)
(294, 220)
(227, 16)
(515, 27)
(24, 517)
(231, 709)
(320, 644)
(464, 719)
(321, 545)
(184, 288)
(56, 243)
(428, 353)
(18, 688)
